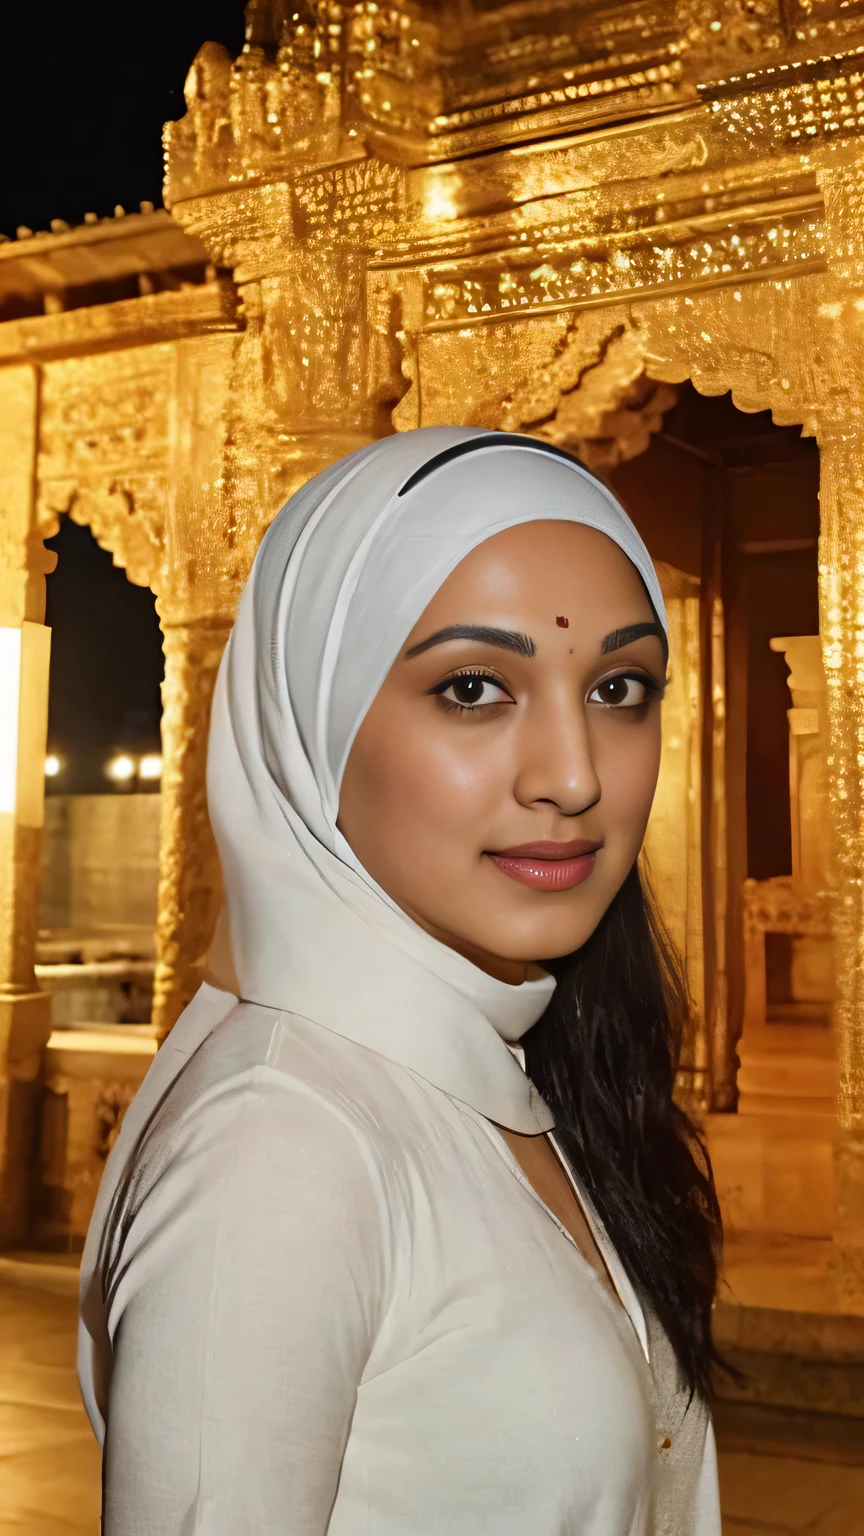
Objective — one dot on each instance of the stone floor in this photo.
(49, 1461)
(789, 1474)
(782, 1473)
(797, 1274)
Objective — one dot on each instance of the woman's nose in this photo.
(557, 765)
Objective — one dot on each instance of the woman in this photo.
(344, 1276)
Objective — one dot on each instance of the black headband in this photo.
(490, 440)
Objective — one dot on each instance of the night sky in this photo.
(86, 89)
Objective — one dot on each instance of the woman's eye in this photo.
(471, 689)
(620, 692)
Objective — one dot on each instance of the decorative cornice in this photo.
(322, 83)
(138, 322)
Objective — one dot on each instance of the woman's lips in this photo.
(548, 866)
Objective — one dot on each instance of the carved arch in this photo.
(594, 397)
(794, 347)
(104, 435)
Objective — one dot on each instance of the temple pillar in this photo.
(189, 877)
(25, 1012)
(841, 624)
(203, 565)
(841, 577)
(673, 843)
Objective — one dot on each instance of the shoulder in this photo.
(281, 1063)
(254, 1155)
(273, 1108)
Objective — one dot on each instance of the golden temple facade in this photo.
(545, 216)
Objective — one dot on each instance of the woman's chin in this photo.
(525, 943)
(498, 919)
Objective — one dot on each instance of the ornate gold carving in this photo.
(153, 318)
(849, 1227)
(606, 273)
(628, 93)
(801, 14)
(778, 906)
(104, 430)
(320, 83)
(90, 1078)
(23, 561)
(189, 878)
(277, 106)
(595, 398)
(347, 204)
(111, 1106)
(673, 844)
(134, 444)
(25, 1013)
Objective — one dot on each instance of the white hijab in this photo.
(341, 578)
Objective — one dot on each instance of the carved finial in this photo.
(209, 77)
(265, 19)
(279, 104)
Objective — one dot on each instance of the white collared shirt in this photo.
(332, 1305)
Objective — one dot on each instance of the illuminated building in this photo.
(550, 221)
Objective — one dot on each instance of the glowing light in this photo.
(121, 768)
(24, 654)
(440, 202)
(53, 765)
(10, 692)
(150, 766)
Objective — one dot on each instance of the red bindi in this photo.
(562, 622)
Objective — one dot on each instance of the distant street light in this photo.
(150, 766)
(10, 699)
(53, 765)
(121, 768)
(24, 653)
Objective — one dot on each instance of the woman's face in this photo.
(499, 787)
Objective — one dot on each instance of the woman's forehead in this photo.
(541, 562)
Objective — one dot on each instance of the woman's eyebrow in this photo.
(618, 638)
(505, 639)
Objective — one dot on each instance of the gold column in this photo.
(25, 1012)
(841, 576)
(673, 844)
(841, 623)
(203, 565)
(189, 877)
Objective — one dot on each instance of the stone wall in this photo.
(100, 861)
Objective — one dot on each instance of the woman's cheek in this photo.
(469, 773)
(628, 778)
(422, 790)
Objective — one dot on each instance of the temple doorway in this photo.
(728, 503)
(100, 870)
